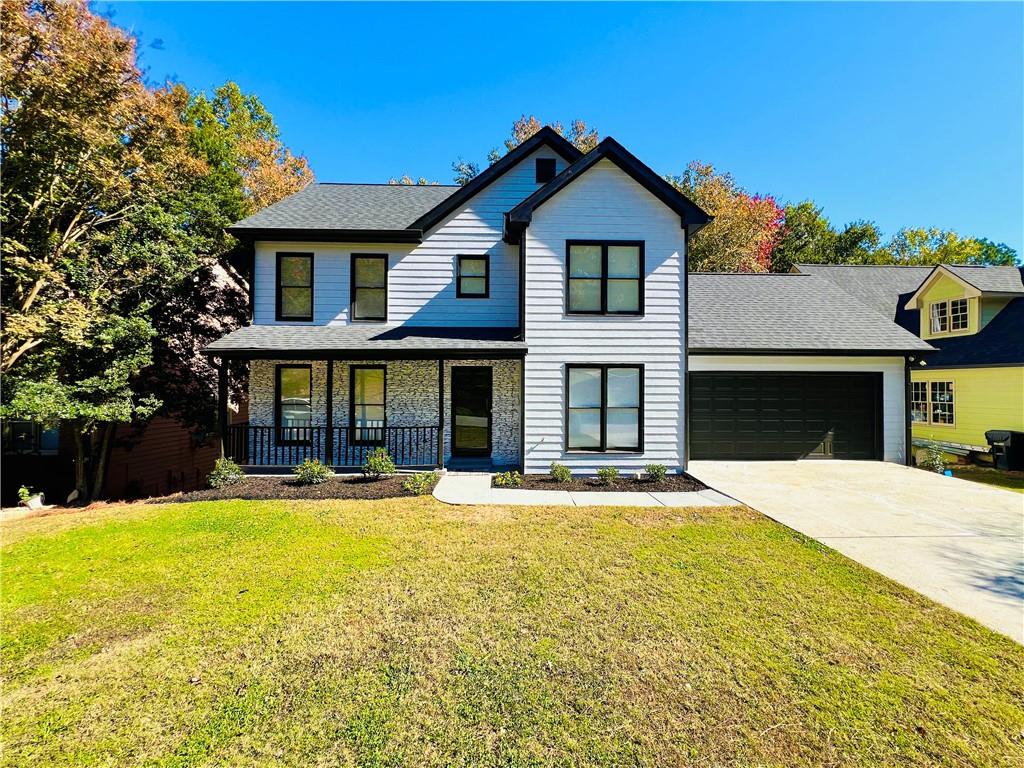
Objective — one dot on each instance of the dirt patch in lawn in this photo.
(671, 484)
(257, 487)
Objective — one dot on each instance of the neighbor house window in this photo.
(604, 410)
(370, 286)
(919, 401)
(294, 286)
(545, 169)
(368, 397)
(605, 277)
(473, 277)
(942, 402)
(294, 404)
(948, 315)
(26, 436)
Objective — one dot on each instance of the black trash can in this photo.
(1007, 448)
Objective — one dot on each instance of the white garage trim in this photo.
(894, 425)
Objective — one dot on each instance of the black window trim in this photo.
(352, 287)
(352, 404)
(278, 426)
(277, 287)
(604, 367)
(641, 277)
(486, 259)
(550, 169)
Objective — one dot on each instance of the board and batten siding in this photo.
(604, 204)
(421, 278)
(893, 383)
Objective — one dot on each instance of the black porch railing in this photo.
(338, 446)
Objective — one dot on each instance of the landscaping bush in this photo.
(312, 472)
(608, 475)
(656, 472)
(934, 461)
(560, 473)
(379, 464)
(225, 473)
(508, 480)
(421, 483)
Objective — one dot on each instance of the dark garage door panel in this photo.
(736, 415)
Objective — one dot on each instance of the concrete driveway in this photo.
(960, 543)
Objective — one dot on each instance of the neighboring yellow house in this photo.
(974, 317)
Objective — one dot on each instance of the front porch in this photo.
(446, 406)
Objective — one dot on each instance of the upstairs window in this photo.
(294, 286)
(370, 286)
(369, 389)
(473, 277)
(604, 411)
(22, 436)
(605, 277)
(946, 316)
(545, 169)
(294, 404)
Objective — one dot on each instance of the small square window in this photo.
(545, 169)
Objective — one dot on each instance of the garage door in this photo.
(735, 415)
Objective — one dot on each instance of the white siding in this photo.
(604, 203)
(891, 368)
(421, 278)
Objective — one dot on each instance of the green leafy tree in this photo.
(808, 237)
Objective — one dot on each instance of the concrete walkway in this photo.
(475, 488)
(958, 542)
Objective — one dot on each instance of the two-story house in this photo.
(540, 313)
(535, 314)
(973, 318)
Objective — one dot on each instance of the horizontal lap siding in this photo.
(604, 203)
(891, 368)
(421, 278)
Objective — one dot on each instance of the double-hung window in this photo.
(295, 286)
(931, 402)
(473, 277)
(370, 286)
(294, 404)
(604, 277)
(368, 392)
(946, 316)
(604, 410)
(919, 402)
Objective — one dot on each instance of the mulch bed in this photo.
(256, 487)
(671, 483)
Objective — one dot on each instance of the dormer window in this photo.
(948, 316)
(545, 169)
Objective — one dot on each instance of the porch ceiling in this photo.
(367, 342)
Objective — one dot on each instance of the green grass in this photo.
(407, 632)
(1010, 481)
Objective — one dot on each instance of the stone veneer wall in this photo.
(411, 398)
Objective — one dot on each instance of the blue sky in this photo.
(908, 115)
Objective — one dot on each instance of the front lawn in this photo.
(1000, 478)
(407, 632)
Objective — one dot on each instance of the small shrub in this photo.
(560, 473)
(656, 472)
(421, 483)
(24, 494)
(934, 461)
(508, 480)
(312, 472)
(379, 464)
(608, 475)
(225, 473)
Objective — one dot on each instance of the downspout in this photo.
(908, 449)
(522, 362)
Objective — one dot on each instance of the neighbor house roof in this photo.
(879, 287)
(366, 342)
(990, 279)
(787, 312)
(691, 215)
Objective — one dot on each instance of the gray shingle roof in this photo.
(305, 340)
(349, 206)
(878, 287)
(783, 312)
(991, 279)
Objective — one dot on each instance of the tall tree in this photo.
(809, 238)
(745, 228)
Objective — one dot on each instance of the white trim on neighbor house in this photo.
(894, 427)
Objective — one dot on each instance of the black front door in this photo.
(471, 411)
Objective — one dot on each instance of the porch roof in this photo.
(304, 342)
